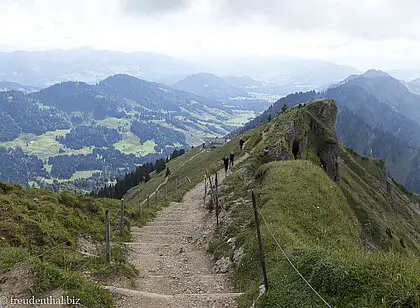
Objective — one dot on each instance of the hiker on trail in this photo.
(232, 157)
(226, 163)
(241, 143)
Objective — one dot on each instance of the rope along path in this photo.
(291, 263)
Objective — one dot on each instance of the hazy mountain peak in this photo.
(204, 77)
(209, 86)
(9, 85)
(375, 74)
(122, 77)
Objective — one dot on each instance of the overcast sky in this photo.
(363, 33)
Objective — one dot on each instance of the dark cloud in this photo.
(153, 7)
(372, 19)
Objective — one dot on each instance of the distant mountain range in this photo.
(210, 86)
(414, 86)
(8, 86)
(280, 76)
(215, 88)
(406, 75)
(44, 68)
(77, 131)
(378, 116)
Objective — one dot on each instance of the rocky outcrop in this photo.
(328, 155)
(413, 179)
(305, 132)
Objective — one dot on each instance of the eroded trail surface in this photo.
(170, 254)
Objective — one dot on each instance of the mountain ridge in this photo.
(393, 118)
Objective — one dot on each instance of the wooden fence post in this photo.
(148, 201)
(156, 195)
(166, 191)
(108, 237)
(212, 193)
(257, 223)
(216, 184)
(205, 186)
(122, 217)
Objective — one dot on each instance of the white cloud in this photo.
(374, 33)
(372, 19)
(153, 7)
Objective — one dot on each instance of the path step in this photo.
(171, 296)
(198, 283)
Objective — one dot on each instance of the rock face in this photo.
(307, 133)
(413, 180)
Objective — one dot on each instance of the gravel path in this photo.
(170, 255)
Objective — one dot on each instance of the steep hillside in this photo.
(54, 244)
(357, 134)
(377, 117)
(348, 229)
(82, 135)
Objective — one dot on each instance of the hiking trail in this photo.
(170, 254)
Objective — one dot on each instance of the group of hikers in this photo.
(230, 161)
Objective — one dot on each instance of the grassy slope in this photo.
(315, 224)
(385, 218)
(32, 221)
(193, 166)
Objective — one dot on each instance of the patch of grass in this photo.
(131, 144)
(50, 277)
(41, 223)
(241, 117)
(84, 174)
(43, 146)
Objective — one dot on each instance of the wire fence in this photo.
(162, 193)
(290, 261)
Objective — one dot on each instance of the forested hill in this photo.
(378, 116)
(121, 91)
(89, 134)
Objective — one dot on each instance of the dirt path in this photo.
(170, 255)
